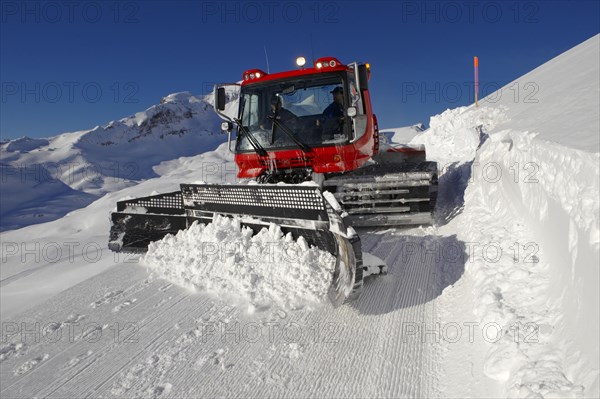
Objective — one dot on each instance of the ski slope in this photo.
(173, 341)
(449, 320)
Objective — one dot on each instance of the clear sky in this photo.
(68, 66)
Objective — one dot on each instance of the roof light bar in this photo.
(327, 62)
(253, 74)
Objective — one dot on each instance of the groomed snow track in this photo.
(175, 343)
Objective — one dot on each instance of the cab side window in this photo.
(359, 122)
(355, 97)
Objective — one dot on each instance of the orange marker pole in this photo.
(476, 66)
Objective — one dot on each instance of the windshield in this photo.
(301, 113)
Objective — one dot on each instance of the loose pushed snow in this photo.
(223, 257)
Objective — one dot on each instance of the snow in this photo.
(267, 269)
(526, 201)
(454, 135)
(73, 169)
(81, 236)
(559, 100)
(400, 135)
(373, 264)
(332, 201)
(33, 196)
(128, 333)
(24, 144)
(511, 266)
(551, 211)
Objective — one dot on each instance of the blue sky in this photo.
(69, 66)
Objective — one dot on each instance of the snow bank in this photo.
(546, 192)
(546, 196)
(454, 135)
(534, 204)
(531, 215)
(225, 258)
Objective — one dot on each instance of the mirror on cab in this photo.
(221, 99)
(351, 112)
(363, 77)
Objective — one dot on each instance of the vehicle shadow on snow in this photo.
(419, 269)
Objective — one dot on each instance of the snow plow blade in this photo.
(302, 211)
(140, 221)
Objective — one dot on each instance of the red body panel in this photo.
(326, 159)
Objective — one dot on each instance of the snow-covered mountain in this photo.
(43, 179)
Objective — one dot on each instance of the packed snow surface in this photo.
(225, 258)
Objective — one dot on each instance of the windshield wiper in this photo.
(290, 134)
(251, 139)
